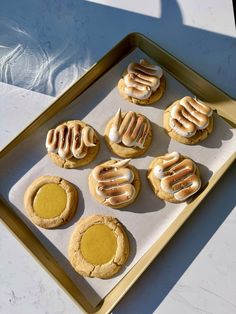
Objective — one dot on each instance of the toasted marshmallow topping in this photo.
(114, 182)
(142, 79)
(131, 130)
(188, 116)
(70, 141)
(177, 177)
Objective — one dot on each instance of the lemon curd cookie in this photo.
(50, 201)
(114, 183)
(143, 83)
(129, 134)
(98, 246)
(188, 121)
(173, 177)
(72, 144)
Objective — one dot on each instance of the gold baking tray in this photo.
(199, 86)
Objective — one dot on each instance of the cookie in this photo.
(128, 135)
(142, 84)
(98, 247)
(173, 177)
(72, 144)
(115, 183)
(188, 121)
(50, 201)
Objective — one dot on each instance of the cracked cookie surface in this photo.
(98, 246)
(50, 201)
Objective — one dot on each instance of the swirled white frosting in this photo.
(188, 116)
(70, 140)
(142, 79)
(178, 177)
(114, 182)
(131, 129)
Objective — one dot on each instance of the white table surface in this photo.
(44, 48)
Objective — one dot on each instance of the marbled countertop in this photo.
(44, 47)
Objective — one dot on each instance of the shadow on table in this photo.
(150, 290)
(55, 42)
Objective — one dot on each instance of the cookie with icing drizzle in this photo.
(115, 183)
(72, 144)
(128, 134)
(188, 120)
(173, 177)
(142, 83)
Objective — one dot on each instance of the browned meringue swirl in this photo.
(131, 129)
(70, 141)
(114, 182)
(188, 116)
(178, 177)
(142, 79)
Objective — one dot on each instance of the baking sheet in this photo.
(147, 217)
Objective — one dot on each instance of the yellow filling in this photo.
(50, 201)
(98, 244)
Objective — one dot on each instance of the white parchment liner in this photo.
(147, 217)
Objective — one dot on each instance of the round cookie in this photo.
(98, 247)
(199, 136)
(50, 201)
(156, 183)
(136, 183)
(144, 102)
(73, 162)
(120, 149)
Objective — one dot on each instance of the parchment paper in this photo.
(147, 217)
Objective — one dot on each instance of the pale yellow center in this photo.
(98, 244)
(50, 201)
